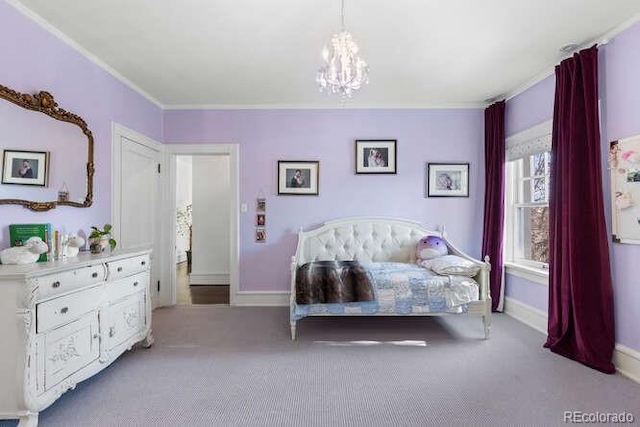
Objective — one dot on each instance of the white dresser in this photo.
(63, 321)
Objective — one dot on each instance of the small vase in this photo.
(99, 245)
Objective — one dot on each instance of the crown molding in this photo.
(337, 106)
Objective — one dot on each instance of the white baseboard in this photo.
(262, 299)
(530, 316)
(209, 278)
(626, 360)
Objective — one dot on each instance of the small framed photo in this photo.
(25, 167)
(261, 235)
(447, 180)
(297, 177)
(261, 220)
(376, 156)
(261, 204)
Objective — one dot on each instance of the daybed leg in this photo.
(29, 420)
(487, 326)
(293, 330)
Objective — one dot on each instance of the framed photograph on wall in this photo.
(447, 180)
(375, 156)
(298, 177)
(25, 167)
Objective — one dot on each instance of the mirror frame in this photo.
(44, 103)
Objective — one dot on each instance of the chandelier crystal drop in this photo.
(343, 70)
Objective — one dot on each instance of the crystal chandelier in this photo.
(343, 71)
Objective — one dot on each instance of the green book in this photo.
(20, 233)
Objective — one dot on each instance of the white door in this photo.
(137, 203)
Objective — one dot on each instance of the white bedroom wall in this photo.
(211, 199)
(184, 196)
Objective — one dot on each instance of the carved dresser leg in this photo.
(148, 341)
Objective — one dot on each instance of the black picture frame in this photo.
(376, 156)
(298, 177)
(447, 180)
(25, 167)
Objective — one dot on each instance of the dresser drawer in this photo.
(127, 267)
(58, 311)
(60, 283)
(127, 286)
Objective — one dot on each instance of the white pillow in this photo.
(452, 264)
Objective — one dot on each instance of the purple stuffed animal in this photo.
(430, 247)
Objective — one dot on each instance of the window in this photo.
(530, 209)
(527, 198)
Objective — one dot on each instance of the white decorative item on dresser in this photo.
(62, 322)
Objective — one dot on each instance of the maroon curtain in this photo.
(581, 322)
(493, 234)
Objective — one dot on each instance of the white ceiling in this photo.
(257, 53)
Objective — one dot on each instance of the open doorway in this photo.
(204, 190)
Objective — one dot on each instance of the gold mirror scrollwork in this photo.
(45, 103)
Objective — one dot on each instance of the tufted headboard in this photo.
(362, 239)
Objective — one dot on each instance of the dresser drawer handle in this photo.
(56, 284)
(95, 274)
(135, 283)
(143, 263)
(119, 269)
(64, 310)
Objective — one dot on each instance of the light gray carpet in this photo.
(231, 366)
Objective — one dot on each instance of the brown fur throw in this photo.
(332, 282)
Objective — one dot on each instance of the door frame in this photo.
(160, 243)
(233, 151)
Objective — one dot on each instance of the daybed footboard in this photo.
(376, 240)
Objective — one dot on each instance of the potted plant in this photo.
(100, 238)
(185, 228)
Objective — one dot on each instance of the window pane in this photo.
(532, 240)
(538, 163)
(539, 190)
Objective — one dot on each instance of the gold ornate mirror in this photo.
(40, 157)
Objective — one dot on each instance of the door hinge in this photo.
(158, 285)
(158, 167)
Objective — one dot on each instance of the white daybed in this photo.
(378, 240)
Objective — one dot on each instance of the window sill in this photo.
(536, 275)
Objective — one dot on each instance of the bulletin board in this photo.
(624, 164)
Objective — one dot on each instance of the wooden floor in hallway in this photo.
(198, 294)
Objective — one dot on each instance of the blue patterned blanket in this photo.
(401, 288)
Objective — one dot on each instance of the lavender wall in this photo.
(35, 60)
(619, 91)
(266, 136)
(620, 66)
